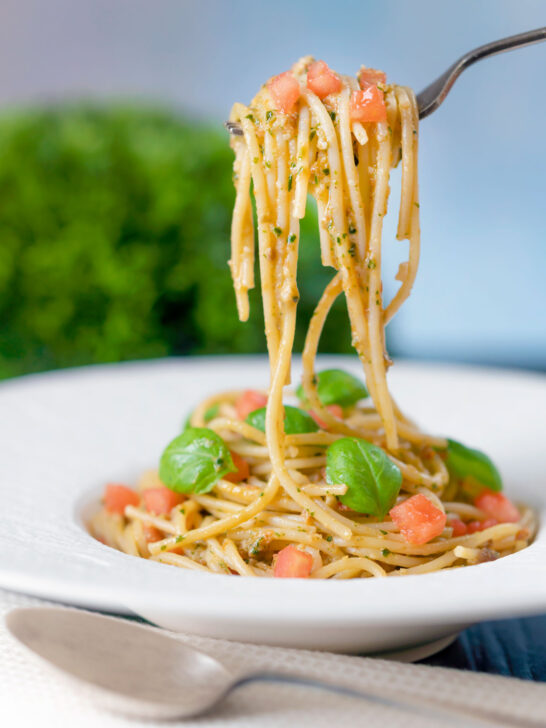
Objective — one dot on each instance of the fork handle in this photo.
(430, 98)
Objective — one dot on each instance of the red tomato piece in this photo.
(285, 91)
(322, 81)
(335, 409)
(292, 563)
(249, 401)
(498, 506)
(368, 105)
(488, 523)
(242, 472)
(368, 76)
(151, 533)
(418, 519)
(117, 497)
(160, 501)
(474, 526)
(458, 526)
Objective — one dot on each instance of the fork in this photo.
(430, 98)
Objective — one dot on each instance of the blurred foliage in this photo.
(114, 224)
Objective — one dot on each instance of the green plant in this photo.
(114, 240)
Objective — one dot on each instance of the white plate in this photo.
(65, 434)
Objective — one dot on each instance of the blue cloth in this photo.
(514, 647)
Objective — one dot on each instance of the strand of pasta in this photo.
(302, 176)
(375, 311)
(265, 234)
(181, 561)
(270, 154)
(242, 236)
(409, 218)
(349, 562)
(222, 525)
(350, 176)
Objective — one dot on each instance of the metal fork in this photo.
(430, 98)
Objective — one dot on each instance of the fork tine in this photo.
(234, 128)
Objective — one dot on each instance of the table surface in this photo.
(515, 647)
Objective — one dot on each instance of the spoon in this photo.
(144, 672)
(432, 96)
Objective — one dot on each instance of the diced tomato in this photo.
(488, 523)
(117, 497)
(458, 526)
(335, 409)
(161, 501)
(368, 76)
(418, 519)
(285, 91)
(293, 563)
(249, 401)
(242, 472)
(322, 81)
(498, 506)
(151, 533)
(474, 526)
(368, 105)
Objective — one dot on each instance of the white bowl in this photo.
(65, 434)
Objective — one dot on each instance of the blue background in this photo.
(480, 294)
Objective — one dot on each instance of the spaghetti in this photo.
(255, 487)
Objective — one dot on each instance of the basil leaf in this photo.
(464, 462)
(209, 415)
(295, 420)
(335, 386)
(212, 412)
(195, 461)
(373, 481)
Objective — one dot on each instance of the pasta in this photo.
(343, 485)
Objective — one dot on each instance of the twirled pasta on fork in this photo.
(340, 483)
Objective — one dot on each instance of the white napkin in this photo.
(33, 694)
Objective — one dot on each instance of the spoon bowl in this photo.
(128, 667)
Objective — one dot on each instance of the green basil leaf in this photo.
(209, 415)
(295, 420)
(373, 481)
(195, 461)
(335, 386)
(212, 412)
(464, 462)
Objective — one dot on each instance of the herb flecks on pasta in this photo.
(339, 483)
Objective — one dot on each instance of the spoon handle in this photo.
(429, 709)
